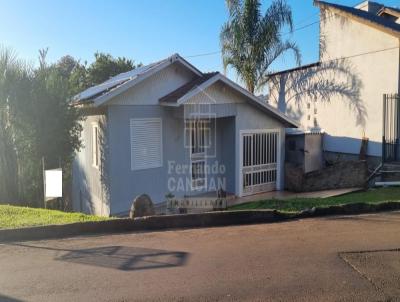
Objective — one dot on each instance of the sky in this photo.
(145, 30)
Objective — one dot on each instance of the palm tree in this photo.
(251, 42)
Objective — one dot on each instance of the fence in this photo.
(391, 128)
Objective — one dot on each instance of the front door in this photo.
(259, 161)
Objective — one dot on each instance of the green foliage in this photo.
(298, 204)
(17, 217)
(36, 120)
(105, 66)
(251, 42)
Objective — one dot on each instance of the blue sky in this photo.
(145, 31)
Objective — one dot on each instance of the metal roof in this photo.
(106, 88)
(316, 64)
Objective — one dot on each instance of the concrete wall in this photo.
(313, 157)
(378, 72)
(353, 107)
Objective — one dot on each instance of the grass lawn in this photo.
(298, 204)
(16, 217)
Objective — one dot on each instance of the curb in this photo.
(168, 222)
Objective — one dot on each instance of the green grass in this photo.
(16, 217)
(298, 204)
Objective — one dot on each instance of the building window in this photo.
(308, 105)
(308, 117)
(95, 146)
(315, 111)
(146, 143)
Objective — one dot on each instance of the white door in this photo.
(259, 161)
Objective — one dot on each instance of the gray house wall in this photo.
(111, 190)
(126, 184)
(90, 184)
(226, 151)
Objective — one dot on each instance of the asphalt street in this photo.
(347, 258)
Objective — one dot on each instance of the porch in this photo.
(225, 160)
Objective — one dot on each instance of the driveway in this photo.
(351, 258)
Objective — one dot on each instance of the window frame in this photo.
(95, 146)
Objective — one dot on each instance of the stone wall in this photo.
(346, 174)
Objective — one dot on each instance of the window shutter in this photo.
(146, 143)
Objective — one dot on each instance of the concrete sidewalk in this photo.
(304, 260)
(288, 195)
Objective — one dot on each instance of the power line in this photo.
(341, 58)
(361, 54)
(204, 54)
(286, 33)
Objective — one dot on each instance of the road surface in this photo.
(349, 258)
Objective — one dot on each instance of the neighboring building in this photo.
(343, 92)
(169, 128)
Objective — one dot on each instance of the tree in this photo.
(251, 42)
(106, 66)
(11, 71)
(36, 119)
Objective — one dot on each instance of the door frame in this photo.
(278, 160)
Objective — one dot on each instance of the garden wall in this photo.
(346, 174)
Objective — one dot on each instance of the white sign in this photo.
(53, 183)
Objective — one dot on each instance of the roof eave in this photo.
(128, 84)
(255, 101)
(358, 19)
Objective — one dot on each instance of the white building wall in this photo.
(378, 72)
(375, 70)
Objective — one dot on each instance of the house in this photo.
(342, 93)
(168, 128)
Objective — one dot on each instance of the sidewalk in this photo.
(289, 195)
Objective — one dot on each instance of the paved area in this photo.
(288, 195)
(351, 258)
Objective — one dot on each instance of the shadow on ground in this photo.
(390, 216)
(123, 258)
(126, 258)
(8, 299)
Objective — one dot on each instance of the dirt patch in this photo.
(381, 268)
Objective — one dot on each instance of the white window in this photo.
(146, 143)
(95, 146)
